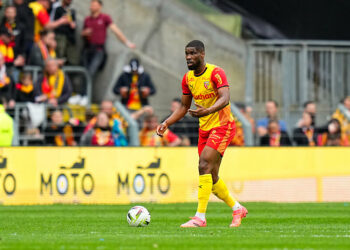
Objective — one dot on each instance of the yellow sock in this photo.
(204, 191)
(221, 191)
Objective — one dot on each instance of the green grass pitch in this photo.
(268, 226)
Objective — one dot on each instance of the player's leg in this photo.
(207, 160)
(220, 141)
(221, 191)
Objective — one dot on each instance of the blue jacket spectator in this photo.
(271, 111)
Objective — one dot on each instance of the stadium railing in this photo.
(247, 127)
(20, 128)
(23, 138)
(295, 71)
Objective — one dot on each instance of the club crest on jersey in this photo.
(206, 84)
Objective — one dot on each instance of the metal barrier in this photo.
(23, 139)
(292, 72)
(247, 127)
(36, 70)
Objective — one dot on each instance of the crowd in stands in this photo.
(272, 131)
(43, 33)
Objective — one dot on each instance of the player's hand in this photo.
(199, 112)
(161, 129)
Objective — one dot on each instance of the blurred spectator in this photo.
(25, 18)
(102, 134)
(149, 137)
(6, 128)
(309, 107)
(24, 89)
(65, 34)
(238, 139)
(140, 114)
(134, 85)
(306, 134)
(344, 122)
(54, 86)
(247, 113)
(95, 33)
(16, 32)
(59, 133)
(44, 49)
(11, 59)
(116, 123)
(42, 18)
(6, 85)
(107, 107)
(333, 136)
(271, 112)
(275, 137)
(186, 128)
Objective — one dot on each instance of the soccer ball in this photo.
(138, 216)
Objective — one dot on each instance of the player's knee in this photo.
(204, 166)
(215, 177)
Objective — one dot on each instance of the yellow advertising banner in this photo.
(47, 175)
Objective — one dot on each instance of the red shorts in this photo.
(217, 138)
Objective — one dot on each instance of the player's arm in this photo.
(222, 101)
(179, 113)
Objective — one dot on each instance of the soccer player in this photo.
(208, 86)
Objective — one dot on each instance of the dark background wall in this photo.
(301, 19)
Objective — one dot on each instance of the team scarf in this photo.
(134, 102)
(64, 138)
(102, 137)
(24, 88)
(4, 79)
(11, 27)
(309, 133)
(45, 52)
(52, 85)
(7, 51)
(275, 140)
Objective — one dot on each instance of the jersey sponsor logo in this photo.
(204, 97)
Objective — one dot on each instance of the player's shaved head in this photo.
(195, 53)
(198, 45)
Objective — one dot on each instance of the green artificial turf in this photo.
(268, 225)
